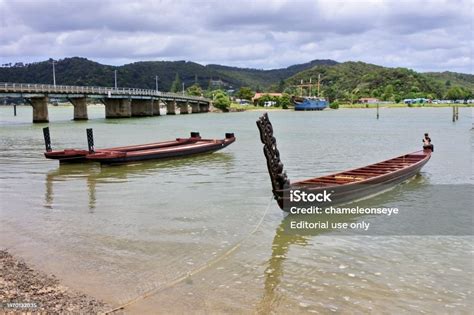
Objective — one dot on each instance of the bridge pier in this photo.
(142, 107)
(118, 108)
(40, 109)
(80, 108)
(156, 107)
(195, 108)
(172, 108)
(204, 107)
(184, 107)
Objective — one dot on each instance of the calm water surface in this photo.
(202, 234)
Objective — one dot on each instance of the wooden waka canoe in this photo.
(345, 186)
(165, 152)
(117, 155)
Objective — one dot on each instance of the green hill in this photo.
(352, 80)
(264, 79)
(81, 71)
(343, 81)
(448, 78)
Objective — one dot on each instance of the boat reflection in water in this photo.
(285, 237)
(95, 175)
(274, 271)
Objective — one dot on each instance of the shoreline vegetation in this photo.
(26, 290)
(253, 107)
(241, 108)
(402, 105)
(234, 107)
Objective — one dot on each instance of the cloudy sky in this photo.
(430, 35)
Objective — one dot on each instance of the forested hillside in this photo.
(81, 71)
(344, 81)
(352, 80)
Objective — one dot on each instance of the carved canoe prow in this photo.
(275, 167)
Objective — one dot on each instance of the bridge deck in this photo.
(119, 102)
(31, 90)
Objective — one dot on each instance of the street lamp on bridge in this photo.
(54, 75)
(156, 82)
(115, 77)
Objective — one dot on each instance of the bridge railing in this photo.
(7, 87)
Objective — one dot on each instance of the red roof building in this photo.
(368, 100)
(258, 95)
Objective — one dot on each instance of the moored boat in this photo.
(165, 152)
(347, 186)
(310, 103)
(180, 146)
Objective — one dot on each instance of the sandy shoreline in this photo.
(23, 289)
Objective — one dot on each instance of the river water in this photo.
(202, 234)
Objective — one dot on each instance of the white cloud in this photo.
(424, 35)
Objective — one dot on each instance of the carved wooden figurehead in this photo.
(278, 177)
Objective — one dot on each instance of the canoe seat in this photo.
(349, 177)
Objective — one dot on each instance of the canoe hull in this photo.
(117, 157)
(338, 188)
(80, 156)
(350, 192)
(68, 156)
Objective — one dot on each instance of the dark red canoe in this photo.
(199, 146)
(180, 145)
(345, 186)
(77, 155)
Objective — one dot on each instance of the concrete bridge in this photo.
(119, 102)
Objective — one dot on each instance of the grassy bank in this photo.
(401, 105)
(234, 107)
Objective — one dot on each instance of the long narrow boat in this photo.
(164, 152)
(80, 156)
(346, 186)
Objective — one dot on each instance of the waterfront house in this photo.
(368, 100)
(257, 96)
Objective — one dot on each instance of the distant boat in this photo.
(347, 186)
(310, 103)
